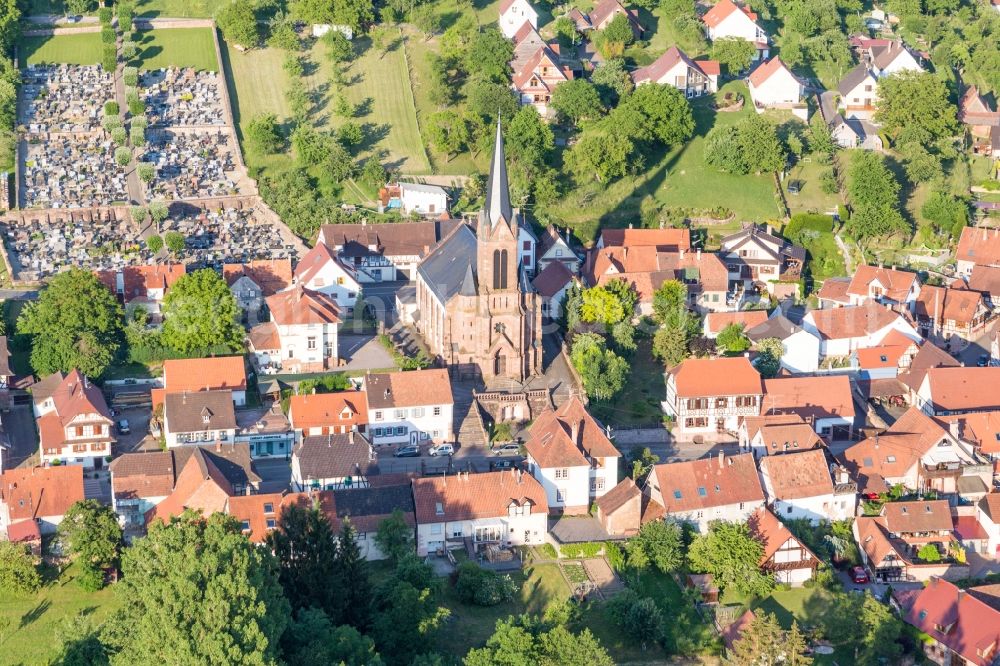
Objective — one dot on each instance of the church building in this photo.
(476, 308)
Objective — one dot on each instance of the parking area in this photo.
(363, 352)
(275, 474)
(138, 437)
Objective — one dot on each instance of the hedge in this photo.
(811, 221)
(580, 550)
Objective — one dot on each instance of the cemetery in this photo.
(64, 98)
(183, 97)
(226, 235)
(192, 165)
(72, 171)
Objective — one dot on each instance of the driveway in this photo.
(363, 352)
(138, 437)
(381, 296)
(275, 474)
(981, 345)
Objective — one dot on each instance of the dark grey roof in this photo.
(852, 79)
(232, 459)
(334, 456)
(366, 507)
(497, 189)
(195, 411)
(776, 327)
(444, 269)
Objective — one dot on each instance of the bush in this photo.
(129, 49)
(639, 617)
(90, 578)
(615, 555)
(154, 243)
(174, 241)
(581, 550)
(146, 171)
(109, 58)
(990, 184)
(18, 573)
(136, 107)
(130, 76)
(123, 156)
(548, 551)
(108, 35)
(481, 587)
(810, 221)
(109, 123)
(118, 135)
(104, 15)
(111, 108)
(137, 135)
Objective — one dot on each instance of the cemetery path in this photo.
(132, 175)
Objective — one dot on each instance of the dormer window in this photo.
(702, 492)
(438, 508)
(245, 525)
(206, 415)
(677, 494)
(268, 507)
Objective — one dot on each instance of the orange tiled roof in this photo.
(216, 373)
(896, 283)
(253, 510)
(748, 318)
(37, 492)
(721, 10)
(300, 305)
(772, 533)
(413, 388)
(766, 70)
(893, 453)
(852, 322)
(271, 275)
(708, 377)
(341, 408)
(798, 475)
(957, 389)
(940, 304)
(980, 246)
(664, 239)
(200, 486)
(918, 516)
(981, 428)
(819, 397)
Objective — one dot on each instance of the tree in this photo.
(602, 306)
(394, 537)
(603, 372)
(427, 20)
(311, 146)
(174, 241)
(74, 324)
(356, 14)
(306, 550)
(10, 24)
(448, 132)
(880, 633)
(873, 192)
(732, 556)
(663, 542)
(312, 640)
(146, 172)
(154, 243)
(485, 99)
(752, 145)
(263, 133)
(913, 107)
(602, 155)
(670, 344)
(615, 36)
(670, 301)
(81, 644)
(576, 100)
(90, 531)
(566, 32)
(643, 460)
(482, 587)
(338, 48)
(18, 574)
(655, 114)
(353, 571)
(639, 617)
(613, 81)
(947, 213)
(760, 643)
(732, 340)
(523, 640)
(407, 616)
(733, 52)
(159, 210)
(796, 648)
(239, 24)
(820, 139)
(197, 591)
(122, 156)
(200, 312)
(768, 361)
(488, 56)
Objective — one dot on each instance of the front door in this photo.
(413, 437)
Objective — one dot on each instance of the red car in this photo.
(871, 496)
(859, 575)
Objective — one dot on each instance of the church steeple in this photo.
(498, 190)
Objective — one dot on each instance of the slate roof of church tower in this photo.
(498, 191)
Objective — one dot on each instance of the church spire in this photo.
(498, 191)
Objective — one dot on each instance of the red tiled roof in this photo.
(917, 516)
(968, 528)
(772, 533)
(980, 428)
(960, 621)
(940, 304)
(553, 277)
(271, 275)
(852, 322)
(264, 337)
(896, 284)
(798, 475)
(251, 509)
(717, 321)
(894, 452)
(37, 492)
(980, 246)
(25, 531)
(664, 239)
(314, 261)
(766, 70)
(709, 482)
(961, 389)
(200, 486)
(205, 374)
(341, 408)
(664, 64)
(708, 377)
(835, 290)
(551, 443)
(300, 305)
(722, 9)
(471, 496)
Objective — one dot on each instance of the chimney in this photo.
(955, 428)
(722, 458)
(575, 432)
(218, 446)
(629, 225)
(699, 254)
(682, 254)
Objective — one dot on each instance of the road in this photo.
(381, 296)
(981, 345)
(18, 294)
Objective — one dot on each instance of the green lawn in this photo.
(811, 198)
(39, 620)
(177, 47)
(178, 8)
(639, 401)
(79, 49)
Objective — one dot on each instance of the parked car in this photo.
(508, 450)
(442, 450)
(871, 497)
(408, 451)
(123, 427)
(859, 575)
(503, 464)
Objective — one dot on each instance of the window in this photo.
(526, 246)
(677, 494)
(418, 412)
(597, 484)
(698, 403)
(271, 523)
(560, 494)
(311, 343)
(788, 510)
(721, 403)
(245, 525)
(424, 437)
(562, 473)
(79, 448)
(436, 433)
(377, 432)
(97, 446)
(378, 416)
(399, 414)
(437, 411)
(268, 507)
(340, 279)
(401, 430)
(702, 492)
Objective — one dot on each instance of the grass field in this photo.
(82, 49)
(177, 47)
(811, 197)
(39, 621)
(639, 401)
